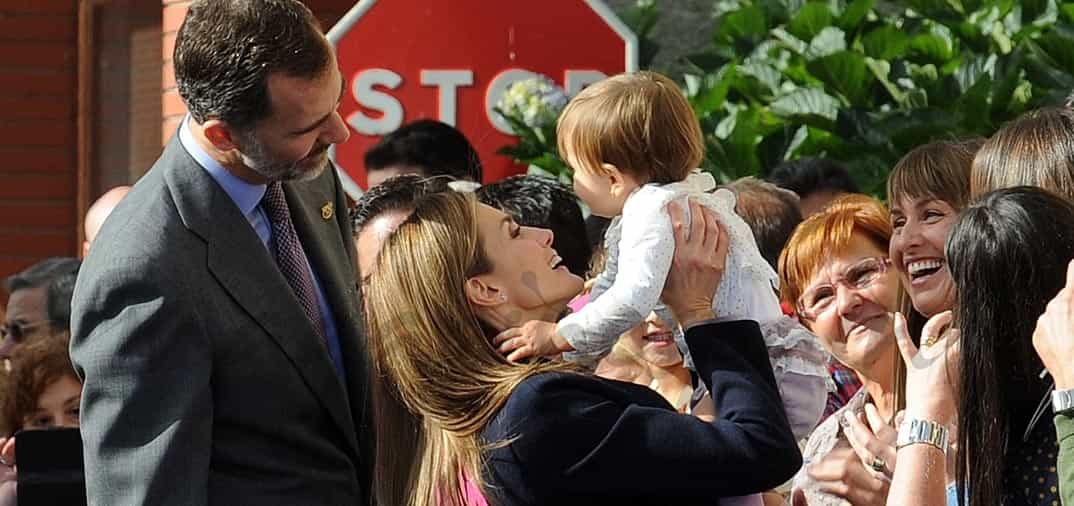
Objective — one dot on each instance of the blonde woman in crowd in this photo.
(456, 273)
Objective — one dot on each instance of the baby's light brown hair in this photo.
(639, 122)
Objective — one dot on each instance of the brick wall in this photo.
(125, 92)
(328, 11)
(38, 134)
(39, 213)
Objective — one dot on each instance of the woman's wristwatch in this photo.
(915, 431)
(1063, 401)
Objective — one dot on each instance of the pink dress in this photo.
(472, 495)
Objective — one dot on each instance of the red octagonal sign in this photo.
(452, 60)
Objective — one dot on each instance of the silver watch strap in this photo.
(1063, 400)
(922, 431)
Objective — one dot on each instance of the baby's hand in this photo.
(533, 338)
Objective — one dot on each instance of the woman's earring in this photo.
(503, 297)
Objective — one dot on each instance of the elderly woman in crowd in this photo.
(455, 273)
(836, 271)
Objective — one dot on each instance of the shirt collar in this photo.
(245, 195)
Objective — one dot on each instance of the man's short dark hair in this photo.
(536, 201)
(226, 49)
(437, 148)
(398, 193)
(41, 274)
(806, 176)
(58, 300)
(771, 212)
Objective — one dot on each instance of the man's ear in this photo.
(220, 135)
(483, 295)
(619, 183)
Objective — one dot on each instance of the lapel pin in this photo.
(327, 210)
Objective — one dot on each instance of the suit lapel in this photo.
(244, 267)
(330, 248)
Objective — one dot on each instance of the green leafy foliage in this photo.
(860, 81)
(536, 147)
(865, 81)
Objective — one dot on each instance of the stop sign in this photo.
(451, 60)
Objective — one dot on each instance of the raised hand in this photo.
(931, 370)
(698, 265)
(1054, 336)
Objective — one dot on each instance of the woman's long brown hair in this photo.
(440, 380)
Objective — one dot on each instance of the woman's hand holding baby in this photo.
(698, 265)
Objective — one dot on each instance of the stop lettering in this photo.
(451, 60)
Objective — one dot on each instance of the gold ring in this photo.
(878, 464)
(930, 340)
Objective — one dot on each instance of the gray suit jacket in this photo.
(205, 383)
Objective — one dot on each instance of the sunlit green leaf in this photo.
(809, 105)
(881, 70)
(763, 73)
(1048, 15)
(1020, 98)
(937, 45)
(1067, 11)
(790, 41)
(830, 40)
(810, 20)
(974, 69)
(746, 22)
(855, 13)
(886, 43)
(707, 93)
(845, 73)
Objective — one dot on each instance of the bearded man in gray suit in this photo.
(216, 319)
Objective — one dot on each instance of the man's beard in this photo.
(257, 158)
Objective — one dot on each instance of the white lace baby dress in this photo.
(640, 244)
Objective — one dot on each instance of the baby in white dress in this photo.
(640, 245)
(634, 144)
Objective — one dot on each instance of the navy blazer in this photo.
(576, 439)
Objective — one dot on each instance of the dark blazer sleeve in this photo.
(581, 443)
(147, 404)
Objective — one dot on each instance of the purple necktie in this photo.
(289, 255)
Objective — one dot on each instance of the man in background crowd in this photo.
(771, 212)
(98, 212)
(817, 181)
(381, 209)
(425, 147)
(28, 300)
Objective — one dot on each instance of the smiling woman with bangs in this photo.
(927, 189)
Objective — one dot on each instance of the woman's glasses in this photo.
(819, 299)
